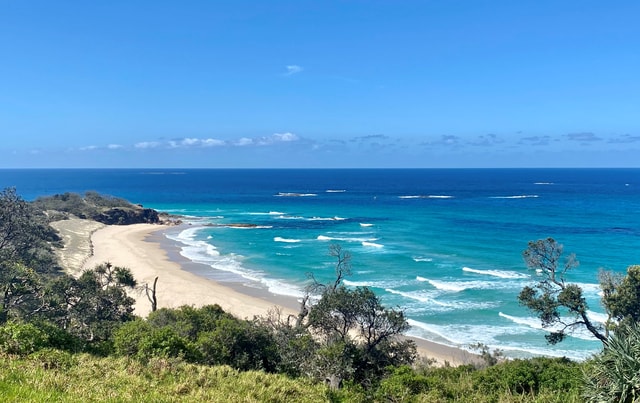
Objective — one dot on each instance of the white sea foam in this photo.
(279, 287)
(448, 285)
(535, 323)
(496, 273)
(425, 197)
(289, 217)
(362, 224)
(416, 295)
(598, 316)
(358, 283)
(335, 190)
(345, 239)
(372, 245)
(463, 336)
(293, 194)
(249, 226)
(543, 183)
(470, 285)
(515, 197)
(335, 218)
(285, 240)
(422, 259)
(267, 213)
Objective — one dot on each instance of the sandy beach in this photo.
(136, 247)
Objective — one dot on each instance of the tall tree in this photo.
(561, 306)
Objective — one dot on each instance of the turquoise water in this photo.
(445, 245)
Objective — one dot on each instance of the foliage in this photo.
(21, 338)
(93, 305)
(614, 374)
(242, 344)
(82, 207)
(358, 335)
(530, 376)
(622, 296)
(560, 306)
(25, 236)
(21, 289)
(203, 335)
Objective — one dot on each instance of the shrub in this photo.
(614, 374)
(51, 358)
(529, 376)
(22, 338)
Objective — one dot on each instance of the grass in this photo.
(112, 379)
(55, 376)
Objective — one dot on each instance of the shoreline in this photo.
(148, 253)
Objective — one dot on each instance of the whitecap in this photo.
(422, 259)
(362, 224)
(544, 183)
(455, 286)
(335, 191)
(285, 240)
(515, 197)
(496, 273)
(372, 244)
(535, 323)
(293, 194)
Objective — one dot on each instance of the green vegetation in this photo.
(94, 206)
(562, 307)
(77, 339)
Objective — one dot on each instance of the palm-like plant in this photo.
(614, 374)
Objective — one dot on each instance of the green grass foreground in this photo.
(55, 376)
(88, 378)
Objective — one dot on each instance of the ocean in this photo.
(445, 245)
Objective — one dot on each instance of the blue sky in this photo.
(352, 83)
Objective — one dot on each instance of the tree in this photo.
(94, 304)
(21, 292)
(621, 296)
(560, 306)
(25, 236)
(358, 335)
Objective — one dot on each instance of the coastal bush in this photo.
(529, 377)
(22, 338)
(241, 344)
(188, 321)
(93, 305)
(614, 374)
(25, 237)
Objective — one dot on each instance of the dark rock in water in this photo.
(126, 216)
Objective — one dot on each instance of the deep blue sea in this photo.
(443, 244)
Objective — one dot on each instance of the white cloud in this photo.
(212, 142)
(285, 137)
(147, 144)
(88, 148)
(293, 69)
(114, 146)
(244, 141)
